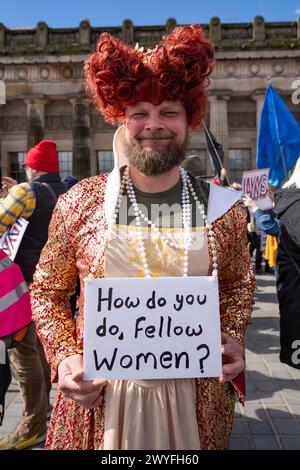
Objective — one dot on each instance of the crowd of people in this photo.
(103, 227)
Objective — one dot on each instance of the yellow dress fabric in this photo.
(151, 414)
(271, 251)
(78, 240)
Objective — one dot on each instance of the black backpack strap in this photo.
(51, 191)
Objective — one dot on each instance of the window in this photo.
(239, 160)
(17, 170)
(105, 161)
(201, 154)
(65, 164)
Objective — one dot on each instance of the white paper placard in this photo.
(255, 185)
(150, 328)
(221, 199)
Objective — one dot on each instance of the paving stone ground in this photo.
(270, 418)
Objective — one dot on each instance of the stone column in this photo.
(170, 25)
(259, 97)
(42, 35)
(81, 137)
(2, 89)
(259, 29)
(94, 163)
(219, 118)
(84, 33)
(128, 32)
(215, 32)
(35, 120)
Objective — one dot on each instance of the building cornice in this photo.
(250, 38)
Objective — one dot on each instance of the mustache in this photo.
(154, 136)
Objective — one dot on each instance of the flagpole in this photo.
(283, 160)
(213, 146)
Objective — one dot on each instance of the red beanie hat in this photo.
(43, 157)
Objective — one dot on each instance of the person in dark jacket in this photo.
(35, 202)
(70, 181)
(287, 209)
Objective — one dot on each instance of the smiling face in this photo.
(156, 127)
(155, 136)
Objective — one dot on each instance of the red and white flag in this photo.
(10, 240)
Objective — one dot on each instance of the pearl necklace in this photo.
(187, 191)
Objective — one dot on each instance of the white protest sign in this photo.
(255, 185)
(10, 240)
(150, 328)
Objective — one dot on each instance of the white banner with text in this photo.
(255, 185)
(151, 328)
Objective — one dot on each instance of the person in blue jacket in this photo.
(265, 220)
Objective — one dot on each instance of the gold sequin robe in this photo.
(76, 246)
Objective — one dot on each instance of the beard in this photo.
(155, 162)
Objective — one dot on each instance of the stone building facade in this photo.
(41, 70)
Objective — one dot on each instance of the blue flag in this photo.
(278, 142)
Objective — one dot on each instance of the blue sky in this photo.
(67, 13)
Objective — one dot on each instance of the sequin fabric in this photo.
(76, 246)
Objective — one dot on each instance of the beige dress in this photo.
(152, 414)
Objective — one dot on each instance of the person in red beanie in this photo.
(43, 157)
(35, 202)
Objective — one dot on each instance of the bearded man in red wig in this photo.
(100, 229)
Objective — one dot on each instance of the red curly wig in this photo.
(176, 70)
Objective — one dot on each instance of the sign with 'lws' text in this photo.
(255, 185)
(150, 328)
